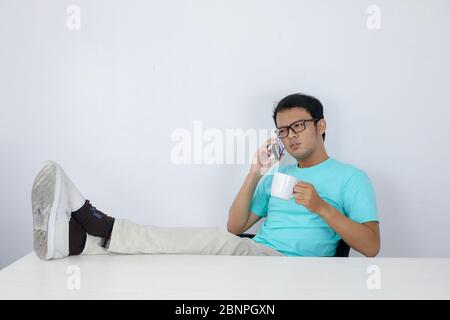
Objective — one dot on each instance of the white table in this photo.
(223, 277)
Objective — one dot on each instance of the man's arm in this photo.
(240, 218)
(362, 237)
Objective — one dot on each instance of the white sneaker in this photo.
(53, 198)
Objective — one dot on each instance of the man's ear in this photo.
(321, 126)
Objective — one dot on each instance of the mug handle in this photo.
(292, 195)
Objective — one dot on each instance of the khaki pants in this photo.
(130, 238)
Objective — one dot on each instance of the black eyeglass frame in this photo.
(303, 122)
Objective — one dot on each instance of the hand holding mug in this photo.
(306, 195)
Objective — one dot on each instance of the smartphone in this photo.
(277, 149)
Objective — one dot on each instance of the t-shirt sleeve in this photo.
(260, 201)
(359, 198)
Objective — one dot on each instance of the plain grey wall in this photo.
(104, 100)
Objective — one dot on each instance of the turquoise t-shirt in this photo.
(292, 229)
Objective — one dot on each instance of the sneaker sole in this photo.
(45, 197)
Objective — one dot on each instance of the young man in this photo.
(332, 201)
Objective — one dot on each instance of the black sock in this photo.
(77, 238)
(95, 222)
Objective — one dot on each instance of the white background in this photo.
(104, 100)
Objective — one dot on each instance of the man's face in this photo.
(300, 145)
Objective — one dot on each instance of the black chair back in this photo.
(342, 249)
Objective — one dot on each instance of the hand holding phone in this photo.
(267, 155)
(277, 149)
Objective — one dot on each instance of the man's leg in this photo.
(130, 238)
(125, 236)
(65, 223)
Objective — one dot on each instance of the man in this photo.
(332, 201)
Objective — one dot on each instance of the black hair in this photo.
(300, 100)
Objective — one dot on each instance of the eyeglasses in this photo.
(297, 127)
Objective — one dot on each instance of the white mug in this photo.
(283, 185)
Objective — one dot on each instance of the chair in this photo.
(342, 249)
